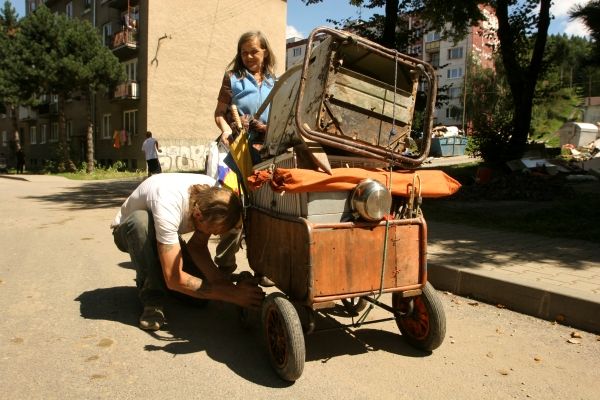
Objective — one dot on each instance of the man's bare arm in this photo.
(176, 279)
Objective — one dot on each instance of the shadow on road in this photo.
(217, 330)
(102, 194)
(118, 304)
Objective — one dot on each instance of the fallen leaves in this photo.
(574, 339)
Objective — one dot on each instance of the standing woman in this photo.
(248, 81)
(249, 78)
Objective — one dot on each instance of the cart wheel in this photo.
(354, 305)
(423, 322)
(283, 336)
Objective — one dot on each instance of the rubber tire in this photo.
(354, 305)
(425, 327)
(283, 336)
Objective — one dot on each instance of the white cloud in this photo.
(560, 9)
(577, 28)
(291, 31)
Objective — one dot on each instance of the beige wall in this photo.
(201, 39)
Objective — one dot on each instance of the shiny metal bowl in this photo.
(371, 200)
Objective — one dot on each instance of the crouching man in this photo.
(148, 227)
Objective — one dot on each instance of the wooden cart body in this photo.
(320, 262)
(351, 103)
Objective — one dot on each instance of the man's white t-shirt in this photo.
(167, 197)
(149, 148)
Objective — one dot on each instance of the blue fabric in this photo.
(248, 96)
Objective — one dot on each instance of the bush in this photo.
(490, 140)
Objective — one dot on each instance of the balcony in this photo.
(431, 47)
(27, 113)
(124, 42)
(127, 90)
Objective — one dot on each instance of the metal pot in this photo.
(371, 200)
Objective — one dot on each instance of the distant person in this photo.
(148, 226)
(151, 149)
(20, 161)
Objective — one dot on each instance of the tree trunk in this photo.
(90, 148)
(522, 80)
(89, 153)
(65, 163)
(15, 126)
(391, 21)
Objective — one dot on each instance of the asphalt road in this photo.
(70, 331)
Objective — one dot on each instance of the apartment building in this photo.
(175, 53)
(451, 61)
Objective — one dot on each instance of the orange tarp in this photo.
(433, 183)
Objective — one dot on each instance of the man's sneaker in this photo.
(152, 319)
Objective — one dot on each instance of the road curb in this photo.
(548, 302)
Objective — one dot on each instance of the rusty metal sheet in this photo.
(317, 262)
(350, 260)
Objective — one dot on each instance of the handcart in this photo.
(333, 211)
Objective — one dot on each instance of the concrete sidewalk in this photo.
(551, 278)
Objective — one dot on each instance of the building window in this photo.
(106, 126)
(453, 112)
(32, 135)
(297, 51)
(54, 132)
(87, 4)
(43, 133)
(455, 53)
(432, 37)
(106, 34)
(455, 73)
(131, 70)
(69, 9)
(69, 129)
(4, 138)
(455, 92)
(435, 60)
(130, 124)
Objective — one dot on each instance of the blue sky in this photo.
(302, 19)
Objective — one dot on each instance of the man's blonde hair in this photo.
(219, 206)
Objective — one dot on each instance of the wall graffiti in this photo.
(182, 157)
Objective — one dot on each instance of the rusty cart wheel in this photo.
(354, 305)
(421, 319)
(283, 336)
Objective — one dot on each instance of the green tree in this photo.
(14, 90)
(590, 14)
(65, 57)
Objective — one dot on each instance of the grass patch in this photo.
(100, 174)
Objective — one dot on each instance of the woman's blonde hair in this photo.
(219, 206)
(237, 64)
